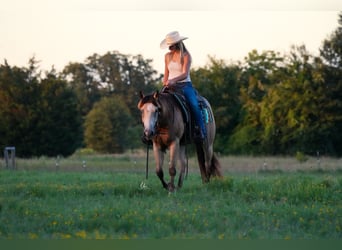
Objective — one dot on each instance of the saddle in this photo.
(188, 117)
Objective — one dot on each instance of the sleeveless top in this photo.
(175, 69)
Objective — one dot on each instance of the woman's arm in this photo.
(166, 70)
(185, 70)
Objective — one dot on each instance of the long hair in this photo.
(181, 47)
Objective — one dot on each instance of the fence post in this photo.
(9, 154)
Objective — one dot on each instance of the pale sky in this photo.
(57, 32)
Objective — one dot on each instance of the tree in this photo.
(38, 115)
(59, 123)
(331, 53)
(331, 50)
(19, 91)
(218, 82)
(259, 73)
(112, 75)
(108, 74)
(84, 84)
(106, 126)
(295, 113)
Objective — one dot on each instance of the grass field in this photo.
(105, 197)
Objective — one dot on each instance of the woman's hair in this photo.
(181, 47)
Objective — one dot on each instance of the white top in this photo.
(175, 69)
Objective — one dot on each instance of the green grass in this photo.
(114, 204)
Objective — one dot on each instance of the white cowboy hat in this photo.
(170, 39)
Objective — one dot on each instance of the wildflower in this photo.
(65, 236)
(81, 234)
(99, 236)
(33, 236)
(125, 237)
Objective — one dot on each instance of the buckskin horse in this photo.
(166, 126)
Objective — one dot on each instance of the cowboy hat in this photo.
(170, 39)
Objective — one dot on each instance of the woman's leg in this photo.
(190, 95)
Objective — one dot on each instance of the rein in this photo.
(147, 154)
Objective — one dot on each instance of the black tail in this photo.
(200, 159)
(214, 168)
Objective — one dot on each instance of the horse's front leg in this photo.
(174, 153)
(159, 159)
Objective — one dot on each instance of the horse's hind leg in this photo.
(159, 158)
(182, 161)
(208, 155)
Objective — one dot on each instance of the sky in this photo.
(57, 32)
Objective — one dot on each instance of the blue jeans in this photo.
(190, 96)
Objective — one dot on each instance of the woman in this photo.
(177, 74)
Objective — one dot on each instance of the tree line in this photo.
(268, 104)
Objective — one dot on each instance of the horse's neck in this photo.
(169, 109)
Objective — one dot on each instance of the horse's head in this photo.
(149, 108)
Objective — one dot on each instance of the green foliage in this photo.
(112, 73)
(331, 50)
(38, 115)
(292, 102)
(82, 82)
(260, 73)
(106, 126)
(245, 141)
(60, 132)
(84, 152)
(43, 115)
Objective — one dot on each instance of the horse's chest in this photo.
(164, 137)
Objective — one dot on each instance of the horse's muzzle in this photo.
(146, 140)
(148, 133)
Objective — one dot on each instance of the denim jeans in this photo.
(190, 96)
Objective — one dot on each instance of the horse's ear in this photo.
(156, 95)
(141, 94)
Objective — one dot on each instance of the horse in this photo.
(164, 125)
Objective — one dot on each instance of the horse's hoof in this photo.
(171, 187)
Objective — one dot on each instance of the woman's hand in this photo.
(166, 82)
(171, 82)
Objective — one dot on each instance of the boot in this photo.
(198, 134)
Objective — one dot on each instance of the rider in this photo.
(177, 74)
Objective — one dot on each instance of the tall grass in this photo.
(136, 162)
